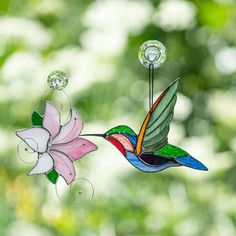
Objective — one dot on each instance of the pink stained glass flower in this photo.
(58, 146)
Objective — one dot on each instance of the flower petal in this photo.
(64, 166)
(36, 138)
(70, 130)
(75, 149)
(44, 164)
(51, 119)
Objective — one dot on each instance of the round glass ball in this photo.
(152, 52)
(57, 80)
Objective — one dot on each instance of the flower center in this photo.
(49, 145)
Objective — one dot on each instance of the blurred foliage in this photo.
(96, 42)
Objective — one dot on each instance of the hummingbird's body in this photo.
(149, 151)
(168, 156)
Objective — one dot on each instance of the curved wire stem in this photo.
(151, 83)
(76, 194)
(58, 103)
(26, 149)
(67, 96)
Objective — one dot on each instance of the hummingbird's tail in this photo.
(191, 162)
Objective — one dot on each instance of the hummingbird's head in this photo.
(123, 138)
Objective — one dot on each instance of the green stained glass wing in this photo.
(52, 176)
(171, 151)
(37, 120)
(161, 115)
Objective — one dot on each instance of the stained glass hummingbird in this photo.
(149, 151)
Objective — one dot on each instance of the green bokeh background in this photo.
(96, 42)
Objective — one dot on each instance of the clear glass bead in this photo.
(152, 52)
(57, 80)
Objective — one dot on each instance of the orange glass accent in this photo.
(144, 125)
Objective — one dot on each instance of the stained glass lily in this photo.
(58, 146)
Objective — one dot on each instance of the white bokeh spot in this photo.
(175, 15)
(225, 60)
(31, 33)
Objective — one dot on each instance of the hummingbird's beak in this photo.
(98, 135)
